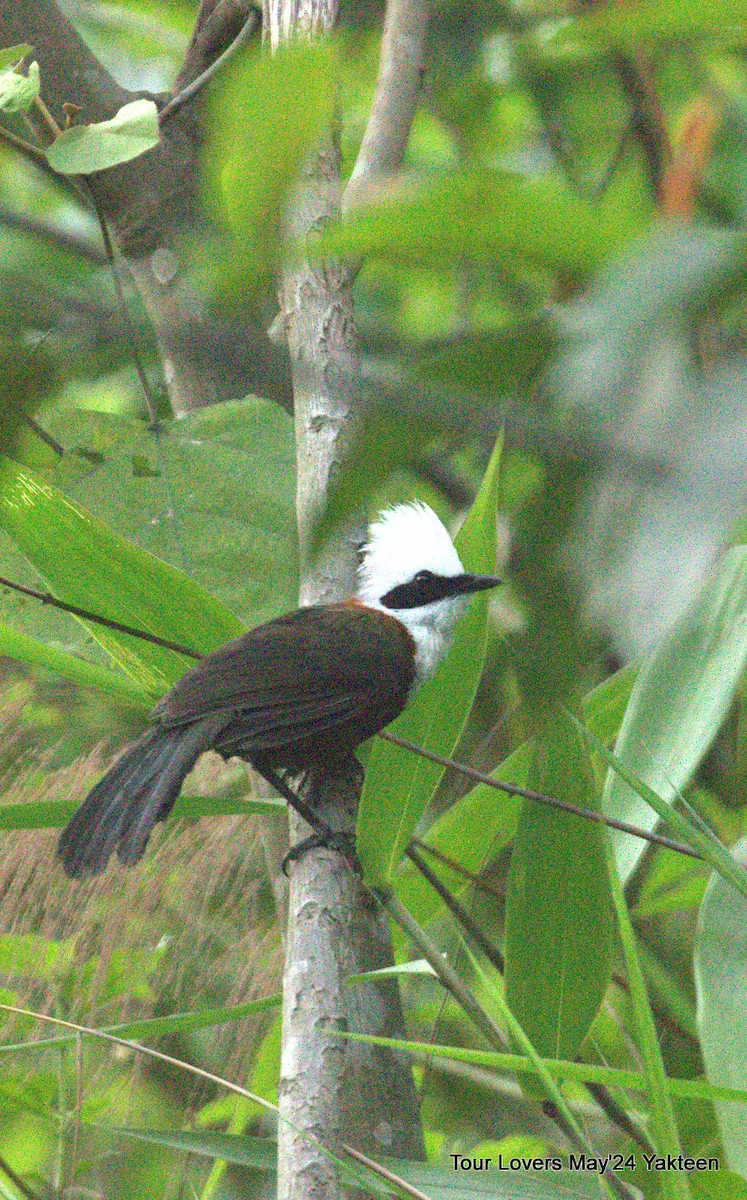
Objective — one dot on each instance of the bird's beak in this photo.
(466, 584)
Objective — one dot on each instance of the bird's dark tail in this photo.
(139, 790)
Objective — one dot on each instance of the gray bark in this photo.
(331, 1089)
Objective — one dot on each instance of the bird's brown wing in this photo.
(310, 670)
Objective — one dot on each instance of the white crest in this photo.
(406, 539)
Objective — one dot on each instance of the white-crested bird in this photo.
(301, 691)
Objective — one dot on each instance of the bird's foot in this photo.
(333, 839)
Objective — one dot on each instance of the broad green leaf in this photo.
(680, 698)
(619, 25)
(86, 563)
(485, 216)
(449, 1182)
(482, 823)
(37, 654)
(663, 275)
(726, 1185)
(720, 963)
(83, 149)
(272, 111)
(440, 1183)
(11, 56)
(559, 925)
(398, 784)
(681, 825)
(18, 92)
(212, 493)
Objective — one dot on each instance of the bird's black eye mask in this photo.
(426, 587)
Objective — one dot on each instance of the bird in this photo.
(299, 692)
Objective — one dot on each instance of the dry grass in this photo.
(193, 925)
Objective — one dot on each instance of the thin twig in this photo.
(614, 1111)
(47, 118)
(465, 919)
(48, 598)
(138, 1048)
(244, 34)
(150, 399)
(377, 1169)
(529, 794)
(458, 868)
(404, 743)
(43, 435)
(444, 970)
(20, 144)
(78, 1102)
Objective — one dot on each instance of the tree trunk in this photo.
(333, 1090)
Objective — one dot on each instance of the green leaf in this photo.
(398, 784)
(18, 92)
(579, 1072)
(271, 113)
(83, 149)
(37, 654)
(723, 19)
(725, 1185)
(53, 814)
(447, 1183)
(484, 216)
(86, 563)
(663, 1120)
(720, 963)
(680, 699)
(34, 956)
(482, 823)
(203, 1018)
(11, 56)
(559, 925)
(692, 832)
(419, 966)
(259, 1153)
(212, 493)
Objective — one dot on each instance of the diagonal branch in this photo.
(512, 789)
(395, 99)
(190, 90)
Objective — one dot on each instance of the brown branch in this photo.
(637, 78)
(512, 789)
(218, 24)
(457, 909)
(124, 309)
(614, 1111)
(35, 153)
(395, 99)
(252, 23)
(53, 602)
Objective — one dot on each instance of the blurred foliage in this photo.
(563, 254)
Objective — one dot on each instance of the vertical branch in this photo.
(333, 1089)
